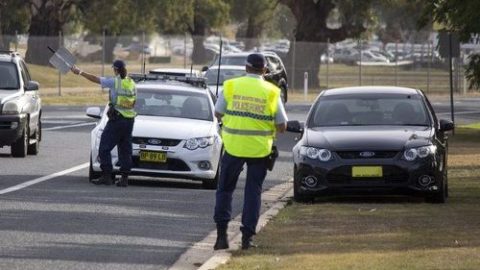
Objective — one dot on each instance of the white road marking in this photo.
(44, 178)
(71, 126)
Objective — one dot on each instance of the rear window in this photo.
(9, 76)
(173, 104)
(370, 110)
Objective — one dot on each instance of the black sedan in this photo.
(374, 139)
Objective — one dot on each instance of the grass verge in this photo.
(382, 232)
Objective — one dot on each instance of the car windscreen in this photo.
(369, 110)
(225, 74)
(8, 76)
(173, 104)
(232, 60)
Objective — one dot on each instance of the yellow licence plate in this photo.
(367, 171)
(153, 156)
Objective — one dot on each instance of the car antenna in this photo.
(219, 64)
(191, 69)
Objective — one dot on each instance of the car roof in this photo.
(371, 90)
(176, 70)
(245, 54)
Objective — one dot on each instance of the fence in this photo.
(354, 62)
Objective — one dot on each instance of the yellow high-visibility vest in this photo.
(125, 97)
(249, 121)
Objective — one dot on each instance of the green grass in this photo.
(391, 232)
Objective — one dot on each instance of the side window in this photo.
(274, 64)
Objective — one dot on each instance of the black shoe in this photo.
(123, 182)
(222, 238)
(247, 242)
(105, 179)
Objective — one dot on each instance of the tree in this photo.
(460, 16)
(47, 19)
(319, 21)
(253, 16)
(14, 19)
(393, 29)
(121, 17)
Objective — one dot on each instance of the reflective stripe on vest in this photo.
(248, 123)
(125, 94)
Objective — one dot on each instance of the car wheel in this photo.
(20, 146)
(34, 148)
(297, 195)
(91, 173)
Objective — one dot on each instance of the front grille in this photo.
(358, 155)
(172, 164)
(391, 174)
(159, 141)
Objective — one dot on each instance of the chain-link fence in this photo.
(329, 65)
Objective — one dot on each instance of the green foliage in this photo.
(472, 71)
(14, 16)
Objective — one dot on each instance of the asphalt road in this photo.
(58, 220)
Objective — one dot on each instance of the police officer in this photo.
(251, 111)
(118, 131)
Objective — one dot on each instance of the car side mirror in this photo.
(32, 86)
(295, 126)
(94, 112)
(446, 125)
(205, 68)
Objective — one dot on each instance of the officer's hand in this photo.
(75, 70)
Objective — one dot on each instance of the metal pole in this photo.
(360, 63)
(429, 64)
(328, 59)
(305, 86)
(452, 109)
(103, 50)
(59, 73)
(185, 50)
(293, 63)
(143, 52)
(219, 65)
(396, 63)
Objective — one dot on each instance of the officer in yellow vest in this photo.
(118, 131)
(252, 112)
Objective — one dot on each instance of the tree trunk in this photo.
(45, 26)
(110, 43)
(254, 30)
(312, 35)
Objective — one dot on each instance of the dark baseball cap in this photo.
(118, 64)
(256, 60)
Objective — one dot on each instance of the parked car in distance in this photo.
(226, 72)
(20, 107)
(175, 134)
(371, 138)
(276, 73)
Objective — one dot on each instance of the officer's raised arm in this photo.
(88, 76)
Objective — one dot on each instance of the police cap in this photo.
(256, 61)
(118, 64)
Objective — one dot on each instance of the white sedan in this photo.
(175, 134)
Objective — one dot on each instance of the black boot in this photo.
(105, 179)
(123, 181)
(247, 242)
(222, 237)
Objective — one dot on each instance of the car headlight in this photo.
(11, 107)
(194, 143)
(316, 153)
(420, 152)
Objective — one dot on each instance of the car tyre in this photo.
(34, 148)
(20, 146)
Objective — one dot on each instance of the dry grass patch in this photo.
(391, 232)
